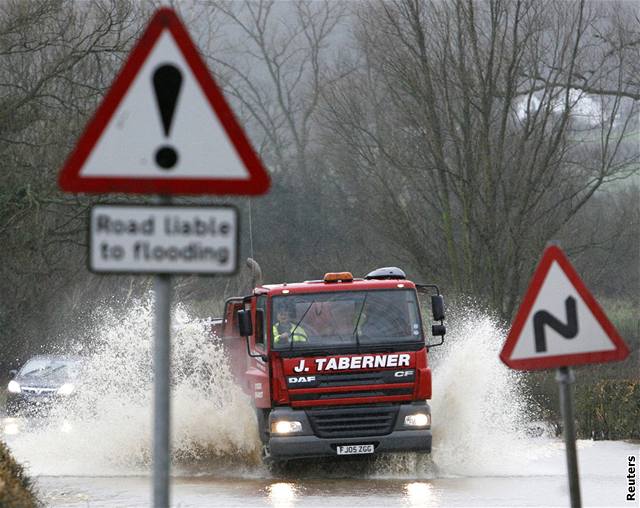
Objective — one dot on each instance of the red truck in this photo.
(344, 372)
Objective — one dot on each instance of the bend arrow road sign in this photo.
(559, 322)
(164, 127)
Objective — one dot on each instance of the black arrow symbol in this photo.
(568, 330)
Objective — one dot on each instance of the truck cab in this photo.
(336, 366)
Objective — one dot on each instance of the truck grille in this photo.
(351, 422)
(315, 389)
(385, 392)
(362, 378)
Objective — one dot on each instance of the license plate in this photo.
(355, 449)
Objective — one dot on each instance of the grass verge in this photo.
(16, 489)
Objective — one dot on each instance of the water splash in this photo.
(109, 421)
(478, 410)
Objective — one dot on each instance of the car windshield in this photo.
(45, 367)
(345, 318)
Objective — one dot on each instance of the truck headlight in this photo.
(418, 420)
(285, 427)
(66, 389)
(14, 387)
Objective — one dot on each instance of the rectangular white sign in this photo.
(163, 239)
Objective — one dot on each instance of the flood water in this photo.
(534, 482)
(95, 451)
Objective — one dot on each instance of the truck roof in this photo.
(317, 286)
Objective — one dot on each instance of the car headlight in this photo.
(285, 427)
(14, 387)
(66, 389)
(418, 420)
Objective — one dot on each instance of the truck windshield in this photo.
(345, 319)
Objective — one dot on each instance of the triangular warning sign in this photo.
(164, 127)
(559, 323)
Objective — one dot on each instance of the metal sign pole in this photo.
(162, 376)
(564, 377)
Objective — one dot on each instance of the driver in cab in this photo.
(284, 329)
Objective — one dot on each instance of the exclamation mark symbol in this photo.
(167, 81)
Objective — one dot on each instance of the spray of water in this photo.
(107, 425)
(478, 412)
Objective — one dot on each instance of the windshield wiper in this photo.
(293, 332)
(40, 372)
(355, 329)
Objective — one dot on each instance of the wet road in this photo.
(487, 450)
(535, 482)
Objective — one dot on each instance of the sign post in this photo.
(161, 392)
(161, 384)
(164, 128)
(565, 377)
(560, 324)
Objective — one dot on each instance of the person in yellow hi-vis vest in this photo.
(284, 328)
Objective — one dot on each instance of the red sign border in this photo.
(551, 254)
(70, 179)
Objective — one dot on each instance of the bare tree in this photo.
(273, 64)
(468, 124)
(273, 60)
(58, 56)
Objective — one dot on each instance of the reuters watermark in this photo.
(631, 478)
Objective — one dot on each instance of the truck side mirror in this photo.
(438, 330)
(244, 323)
(13, 373)
(246, 330)
(437, 308)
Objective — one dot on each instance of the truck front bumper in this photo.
(306, 444)
(311, 446)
